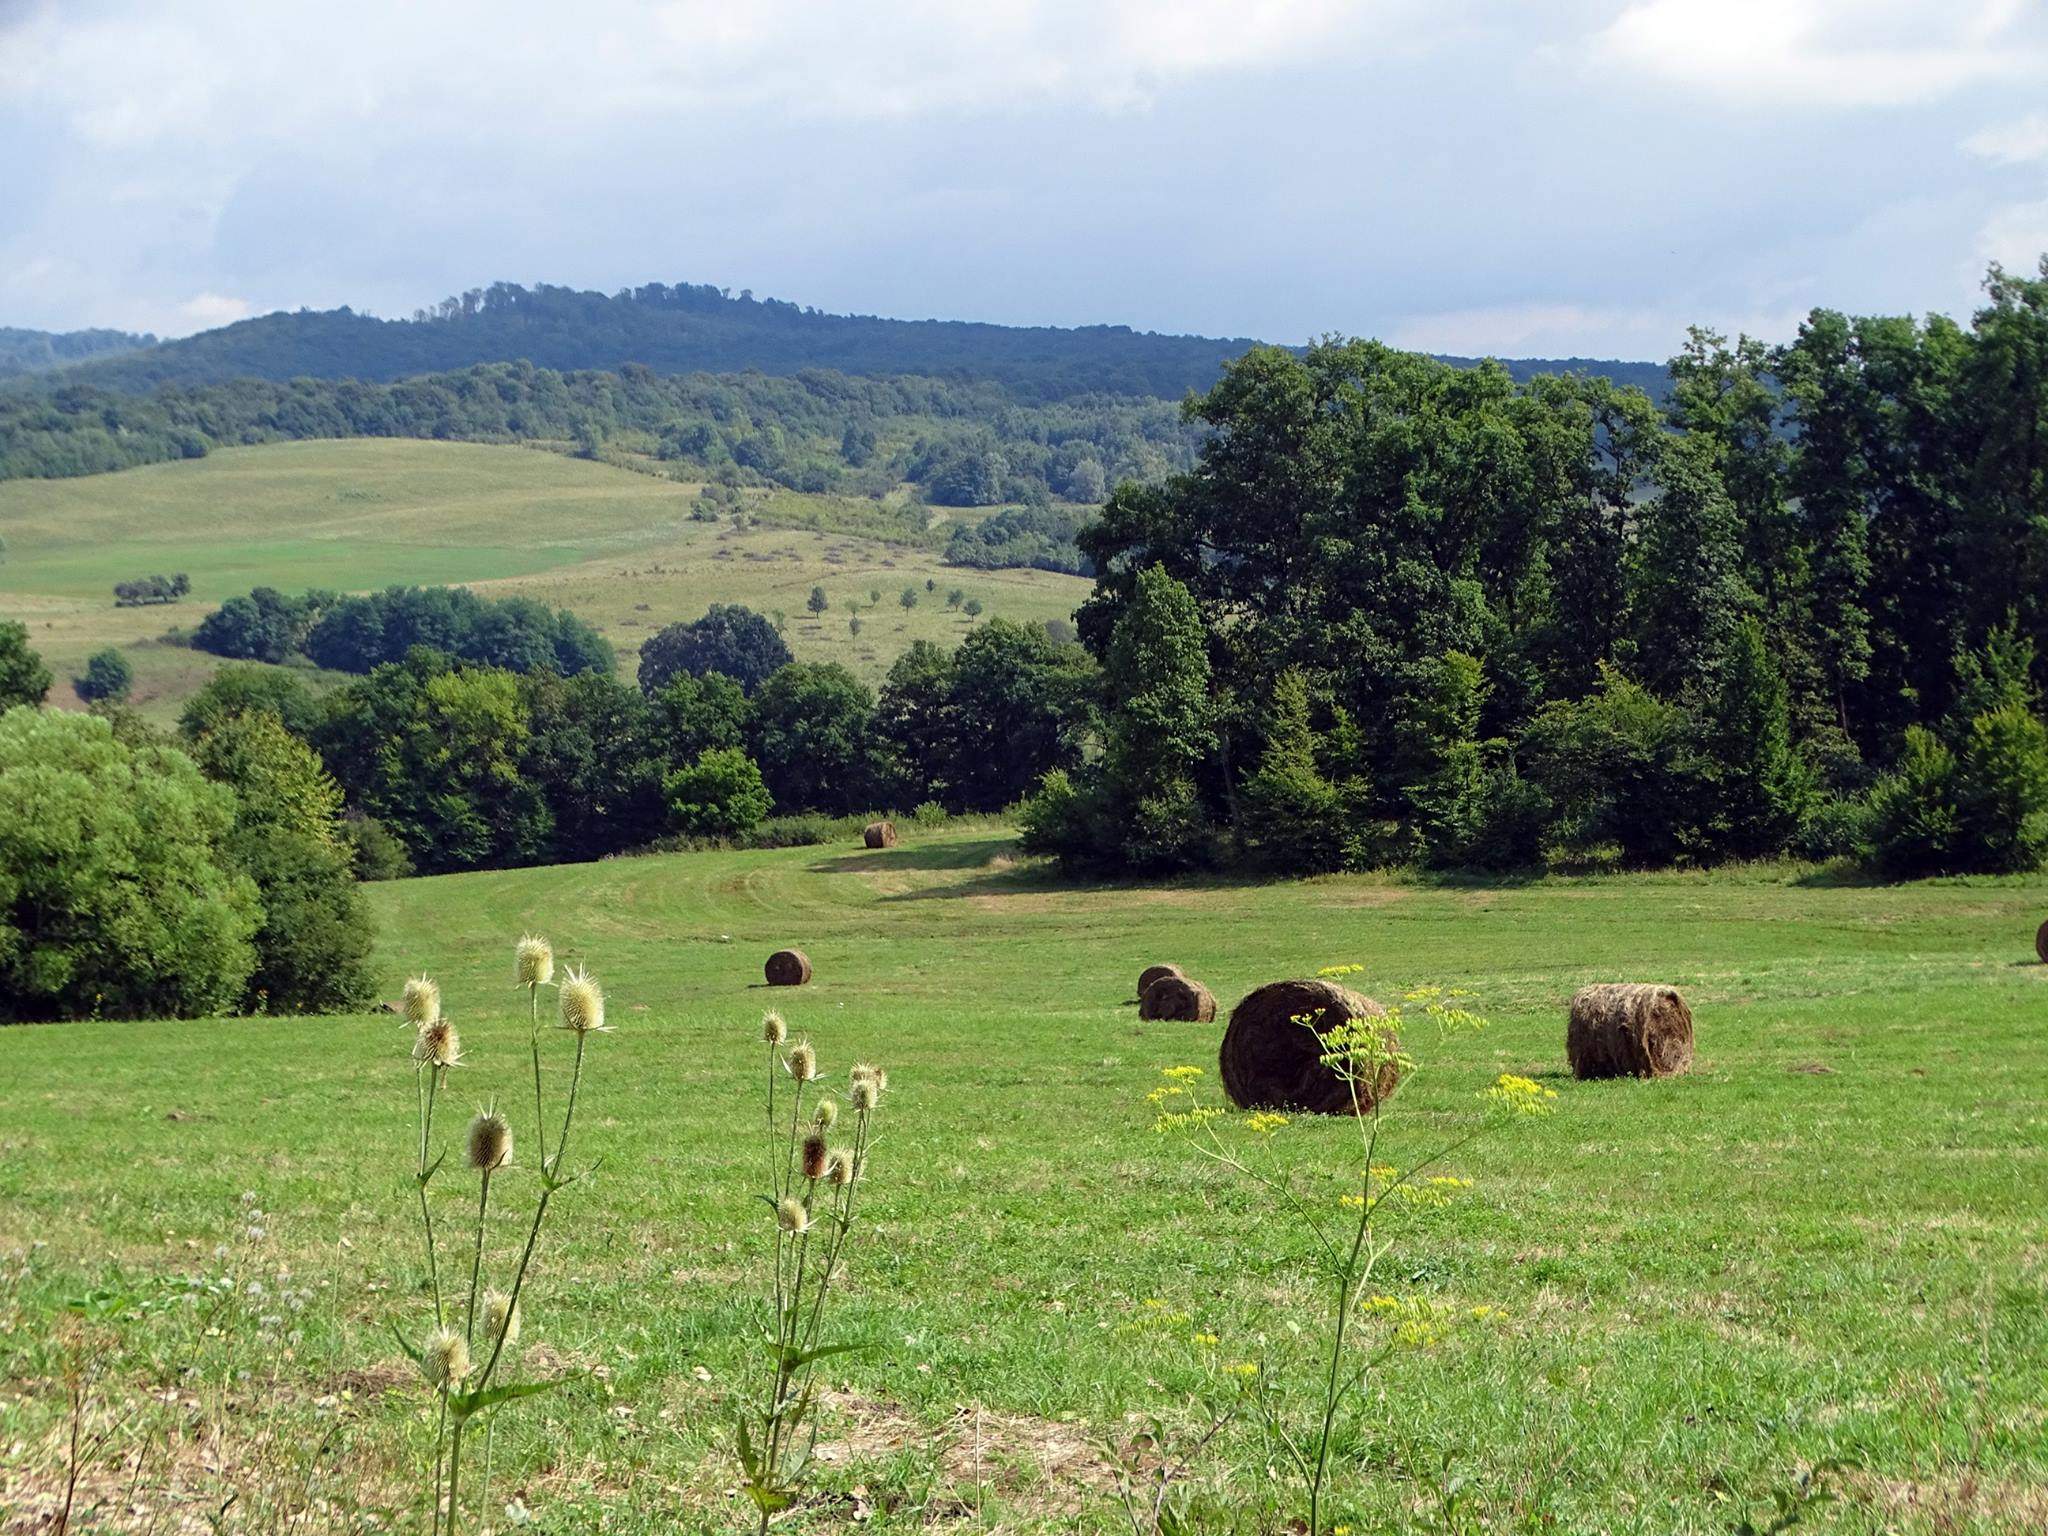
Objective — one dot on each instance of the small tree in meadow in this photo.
(108, 678)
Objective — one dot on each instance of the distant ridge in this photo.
(692, 328)
(25, 352)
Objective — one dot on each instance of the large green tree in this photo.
(118, 896)
(23, 677)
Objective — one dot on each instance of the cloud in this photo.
(1568, 329)
(2017, 143)
(2015, 236)
(204, 311)
(1801, 54)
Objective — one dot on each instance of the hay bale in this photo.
(879, 834)
(1152, 973)
(2041, 943)
(1625, 1029)
(788, 968)
(1176, 997)
(1269, 1061)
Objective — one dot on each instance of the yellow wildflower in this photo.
(1204, 1338)
(1520, 1095)
(1242, 1368)
(1181, 1074)
(1264, 1123)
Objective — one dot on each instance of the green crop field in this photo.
(1806, 1283)
(620, 548)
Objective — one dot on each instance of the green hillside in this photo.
(1819, 1250)
(620, 548)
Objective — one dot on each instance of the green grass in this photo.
(618, 546)
(1823, 1244)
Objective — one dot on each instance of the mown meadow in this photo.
(621, 549)
(1804, 1283)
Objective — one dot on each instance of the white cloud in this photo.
(2018, 143)
(2015, 236)
(203, 311)
(1566, 329)
(1795, 54)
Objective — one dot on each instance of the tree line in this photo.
(1401, 611)
(356, 633)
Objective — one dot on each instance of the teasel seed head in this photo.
(582, 1002)
(803, 1061)
(826, 1114)
(872, 1074)
(421, 1001)
(814, 1155)
(490, 1141)
(445, 1358)
(534, 960)
(501, 1315)
(791, 1216)
(437, 1045)
(839, 1168)
(773, 1029)
(863, 1093)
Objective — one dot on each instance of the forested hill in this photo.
(690, 328)
(24, 351)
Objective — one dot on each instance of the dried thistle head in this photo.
(773, 1028)
(421, 1001)
(490, 1141)
(437, 1044)
(445, 1358)
(802, 1061)
(501, 1316)
(863, 1092)
(791, 1216)
(872, 1074)
(582, 1002)
(814, 1155)
(839, 1167)
(533, 961)
(826, 1114)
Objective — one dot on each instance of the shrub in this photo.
(719, 795)
(116, 894)
(374, 853)
(240, 689)
(107, 678)
(2002, 791)
(1914, 820)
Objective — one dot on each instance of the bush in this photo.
(1913, 814)
(1836, 827)
(719, 795)
(240, 690)
(1982, 809)
(116, 895)
(374, 853)
(108, 678)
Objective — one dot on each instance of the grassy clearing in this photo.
(1824, 1244)
(619, 547)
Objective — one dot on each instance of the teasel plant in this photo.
(817, 1164)
(473, 1337)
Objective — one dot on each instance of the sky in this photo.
(1517, 177)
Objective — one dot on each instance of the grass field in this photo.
(620, 548)
(1822, 1249)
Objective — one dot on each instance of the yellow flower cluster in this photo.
(1520, 1095)
(1417, 1324)
(1180, 1074)
(1331, 972)
(1241, 1368)
(1191, 1119)
(1264, 1122)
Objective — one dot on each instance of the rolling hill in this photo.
(24, 352)
(684, 328)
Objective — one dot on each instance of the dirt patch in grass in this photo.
(1042, 1464)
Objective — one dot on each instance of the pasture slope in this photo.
(1823, 1248)
(618, 547)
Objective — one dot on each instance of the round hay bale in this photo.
(2041, 943)
(1270, 1061)
(788, 968)
(1176, 997)
(1626, 1029)
(879, 834)
(1152, 973)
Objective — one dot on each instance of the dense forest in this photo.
(1401, 611)
(966, 444)
(25, 352)
(695, 328)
